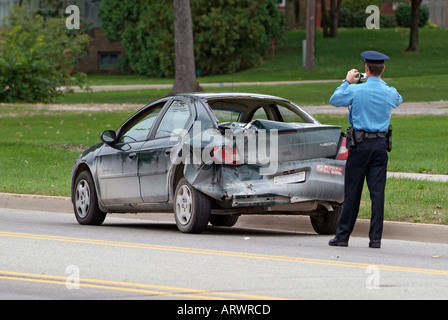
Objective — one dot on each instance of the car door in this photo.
(155, 160)
(117, 164)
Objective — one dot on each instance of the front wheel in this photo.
(326, 223)
(191, 208)
(85, 202)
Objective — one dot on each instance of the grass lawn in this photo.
(333, 57)
(411, 201)
(419, 76)
(413, 89)
(38, 149)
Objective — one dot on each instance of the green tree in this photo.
(37, 57)
(228, 34)
(412, 15)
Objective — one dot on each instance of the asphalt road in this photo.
(47, 255)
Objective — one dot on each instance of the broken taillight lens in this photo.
(343, 151)
(225, 155)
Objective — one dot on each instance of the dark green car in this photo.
(210, 157)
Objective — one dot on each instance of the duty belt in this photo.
(360, 136)
(354, 137)
(373, 135)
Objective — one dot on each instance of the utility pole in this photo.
(310, 32)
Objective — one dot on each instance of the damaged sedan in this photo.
(211, 157)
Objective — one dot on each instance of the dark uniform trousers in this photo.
(368, 160)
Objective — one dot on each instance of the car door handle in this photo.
(132, 155)
(167, 152)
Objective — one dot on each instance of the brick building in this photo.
(102, 55)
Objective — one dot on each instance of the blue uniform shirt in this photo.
(370, 103)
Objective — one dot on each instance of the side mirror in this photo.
(108, 137)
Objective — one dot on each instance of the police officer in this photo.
(370, 106)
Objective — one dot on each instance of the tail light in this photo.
(343, 151)
(225, 155)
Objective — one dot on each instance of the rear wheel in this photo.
(191, 208)
(223, 221)
(85, 204)
(326, 223)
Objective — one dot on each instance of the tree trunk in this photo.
(292, 9)
(415, 19)
(185, 73)
(310, 34)
(324, 19)
(335, 6)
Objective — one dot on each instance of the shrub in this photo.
(353, 14)
(230, 34)
(403, 15)
(36, 57)
(388, 21)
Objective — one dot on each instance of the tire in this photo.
(85, 204)
(223, 221)
(326, 223)
(191, 208)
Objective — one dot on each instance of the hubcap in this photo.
(82, 200)
(184, 205)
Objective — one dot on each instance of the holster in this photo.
(350, 138)
(389, 138)
(359, 136)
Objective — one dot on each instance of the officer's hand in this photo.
(351, 75)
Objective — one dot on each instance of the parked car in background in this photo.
(211, 157)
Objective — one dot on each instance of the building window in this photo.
(281, 3)
(108, 60)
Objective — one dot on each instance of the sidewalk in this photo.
(410, 108)
(419, 176)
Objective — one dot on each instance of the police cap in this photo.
(374, 57)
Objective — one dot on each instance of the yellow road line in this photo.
(156, 290)
(224, 253)
(101, 284)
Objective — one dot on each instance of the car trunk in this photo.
(268, 141)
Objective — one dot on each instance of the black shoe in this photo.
(337, 243)
(375, 244)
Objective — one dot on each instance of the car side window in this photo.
(140, 130)
(174, 119)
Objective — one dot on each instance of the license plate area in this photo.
(290, 178)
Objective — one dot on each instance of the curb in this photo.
(419, 176)
(392, 230)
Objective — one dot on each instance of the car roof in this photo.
(221, 95)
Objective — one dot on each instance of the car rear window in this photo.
(226, 115)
